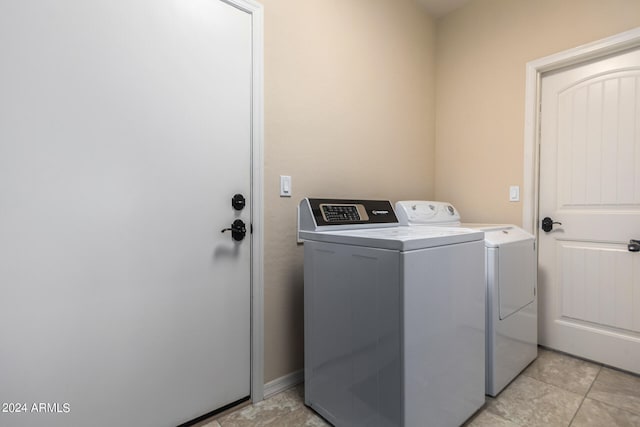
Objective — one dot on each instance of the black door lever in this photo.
(238, 230)
(634, 245)
(547, 224)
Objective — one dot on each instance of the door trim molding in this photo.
(256, 11)
(534, 71)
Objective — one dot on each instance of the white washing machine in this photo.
(394, 328)
(511, 277)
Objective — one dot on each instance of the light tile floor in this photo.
(555, 390)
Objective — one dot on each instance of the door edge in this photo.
(256, 11)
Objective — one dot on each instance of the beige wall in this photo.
(349, 112)
(481, 52)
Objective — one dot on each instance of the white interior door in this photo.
(124, 133)
(589, 282)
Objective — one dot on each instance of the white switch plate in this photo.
(285, 186)
(514, 193)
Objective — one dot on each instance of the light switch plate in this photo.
(514, 193)
(285, 186)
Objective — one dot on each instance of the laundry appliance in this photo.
(394, 327)
(511, 278)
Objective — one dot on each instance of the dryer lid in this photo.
(501, 234)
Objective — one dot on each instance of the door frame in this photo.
(534, 70)
(256, 11)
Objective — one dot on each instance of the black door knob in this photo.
(238, 230)
(634, 245)
(238, 201)
(547, 224)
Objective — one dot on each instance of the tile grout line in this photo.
(585, 396)
(613, 405)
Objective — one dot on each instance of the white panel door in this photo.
(124, 133)
(589, 282)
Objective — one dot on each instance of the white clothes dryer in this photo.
(511, 278)
(394, 328)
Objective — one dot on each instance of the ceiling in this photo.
(438, 8)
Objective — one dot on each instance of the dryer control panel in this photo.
(420, 212)
(335, 214)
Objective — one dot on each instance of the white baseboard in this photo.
(283, 383)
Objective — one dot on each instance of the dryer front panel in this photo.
(516, 276)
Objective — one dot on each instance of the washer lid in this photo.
(397, 238)
(500, 234)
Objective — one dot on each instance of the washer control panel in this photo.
(336, 214)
